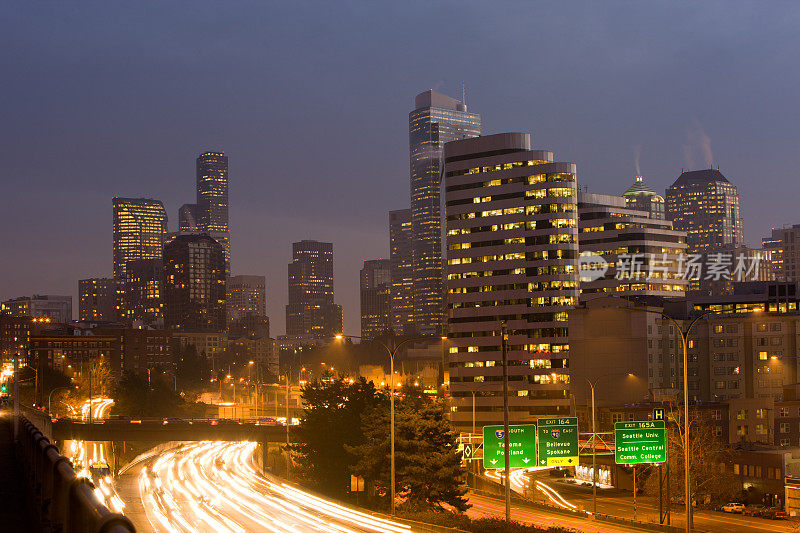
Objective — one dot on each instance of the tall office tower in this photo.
(782, 251)
(47, 306)
(246, 295)
(402, 292)
(194, 284)
(139, 228)
(144, 292)
(97, 300)
(311, 311)
(188, 216)
(376, 284)
(435, 120)
(642, 252)
(705, 205)
(211, 210)
(772, 251)
(512, 241)
(641, 197)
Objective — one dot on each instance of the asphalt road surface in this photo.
(215, 487)
(619, 503)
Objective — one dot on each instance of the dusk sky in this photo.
(310, 101)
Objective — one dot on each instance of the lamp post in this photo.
(685, 341)
(592, 384)
(50, 396)
(473, 412)
(288, 420)
(392, 353)
(503, 342)
(687, 474)
(444, 359)
(250, 379)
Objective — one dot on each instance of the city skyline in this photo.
(149, 148)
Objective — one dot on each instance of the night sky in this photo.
(310, 101)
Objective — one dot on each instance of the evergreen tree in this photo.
(134, 397)
(330, 422)
(427, 469)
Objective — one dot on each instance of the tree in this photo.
(330, 422)
(191, 368)
(712, 480)
(427, 469)
(94, 376)
(134, 397)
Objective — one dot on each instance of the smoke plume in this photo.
(637, 152)
(697, 142)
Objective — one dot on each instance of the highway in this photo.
(483, 506)
(610, 502)
(84, 454)
(621, 504)
(214, 486)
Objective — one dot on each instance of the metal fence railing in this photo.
(60, 500)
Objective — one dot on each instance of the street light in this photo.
(684, 341)
(592, 384)
(49, 396)
(250, 379)
(392, 353)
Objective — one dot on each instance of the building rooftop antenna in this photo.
(463, 93)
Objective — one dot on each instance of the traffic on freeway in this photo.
(90, 459)
(214, 486)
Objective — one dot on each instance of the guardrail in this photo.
(62, 502)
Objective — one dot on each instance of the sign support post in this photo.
(504, 338)
(634, 493)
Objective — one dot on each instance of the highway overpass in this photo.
(157, 431)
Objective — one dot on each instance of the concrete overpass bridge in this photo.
(157, 431)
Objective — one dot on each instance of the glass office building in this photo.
(435, 120)
(140, 225)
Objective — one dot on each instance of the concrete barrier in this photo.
(61, 501)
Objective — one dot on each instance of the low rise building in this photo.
(142, 349)
(739, 351)
(70, 350)
(15, 332)
(55, 308)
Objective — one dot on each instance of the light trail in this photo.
(519, 483)
(83, 460)
(215, 486)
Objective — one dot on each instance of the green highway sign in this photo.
(558, 441)
(640, 442)
(521, 446)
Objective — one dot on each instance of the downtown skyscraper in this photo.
(642, 197)
(435, 120)
(401, 303)
(246, 296)
(194, 284)
(140, 225)
(375, 283)
(210, 212)
(512, 240)
(97, 299)
(311, 311)
(705, 205)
